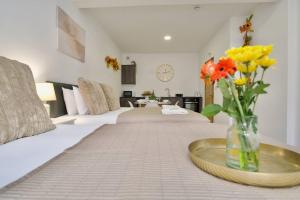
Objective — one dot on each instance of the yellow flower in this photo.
(250, 55)
(234, 57)
(241, 81)
(266, 50)
(246, 54)
(234, 51)
(247, 68)
(266, 62)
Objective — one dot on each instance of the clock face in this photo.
(165, 72)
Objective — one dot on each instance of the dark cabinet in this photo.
(193, 103)
(128, 73)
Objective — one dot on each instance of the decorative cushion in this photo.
(22, 113)
(70, 102)
(81, 106)
(111, 98)
(93, 96)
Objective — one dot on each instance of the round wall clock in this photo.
(165, 72)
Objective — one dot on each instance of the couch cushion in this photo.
(93, 96)
(111, 98)
(22, 113)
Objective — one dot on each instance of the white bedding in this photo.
(22, 156)
(110, 117)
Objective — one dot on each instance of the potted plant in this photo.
(240, 77)
(152, 97)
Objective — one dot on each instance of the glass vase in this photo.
(242, 148)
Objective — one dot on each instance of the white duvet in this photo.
(19, 157)
(22, 156)
(110, 117)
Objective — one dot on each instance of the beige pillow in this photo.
(21, 111)
(93, 96)
(112, 100)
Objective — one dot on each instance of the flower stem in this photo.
(236, 98)
(261, 78)
(243, 140)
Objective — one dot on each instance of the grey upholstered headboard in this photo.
(58, 108)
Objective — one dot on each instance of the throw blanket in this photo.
(136, 161)
(149, 115)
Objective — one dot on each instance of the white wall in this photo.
(297, 133)
(186, 66)
(271, 27)
(293, 92)
(28, 34)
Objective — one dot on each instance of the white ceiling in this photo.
(126, 3)
(139, 28)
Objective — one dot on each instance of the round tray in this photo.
(278, 167)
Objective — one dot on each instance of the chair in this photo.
(130, 104)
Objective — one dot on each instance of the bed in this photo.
(49, 145)
(135, 161)
(143, 156)
(41, 149)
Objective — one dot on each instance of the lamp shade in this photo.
(46, 91)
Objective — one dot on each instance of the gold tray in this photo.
(278, 167)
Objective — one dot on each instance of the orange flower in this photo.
(224, 67)
(112, 62)
(207, 70)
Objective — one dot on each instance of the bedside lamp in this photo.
(46, 93)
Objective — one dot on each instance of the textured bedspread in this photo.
(136, 161)
(149, 115)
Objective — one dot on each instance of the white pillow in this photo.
(70, 101)
(81, 106)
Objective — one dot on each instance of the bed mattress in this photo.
(136, 161)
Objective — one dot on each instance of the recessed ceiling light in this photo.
(167, 37)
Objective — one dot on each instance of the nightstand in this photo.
(63, 120)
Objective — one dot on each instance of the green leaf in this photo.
(260, 88)
(211, 110)
(224, 87)
(233, 111)
(226, 103)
